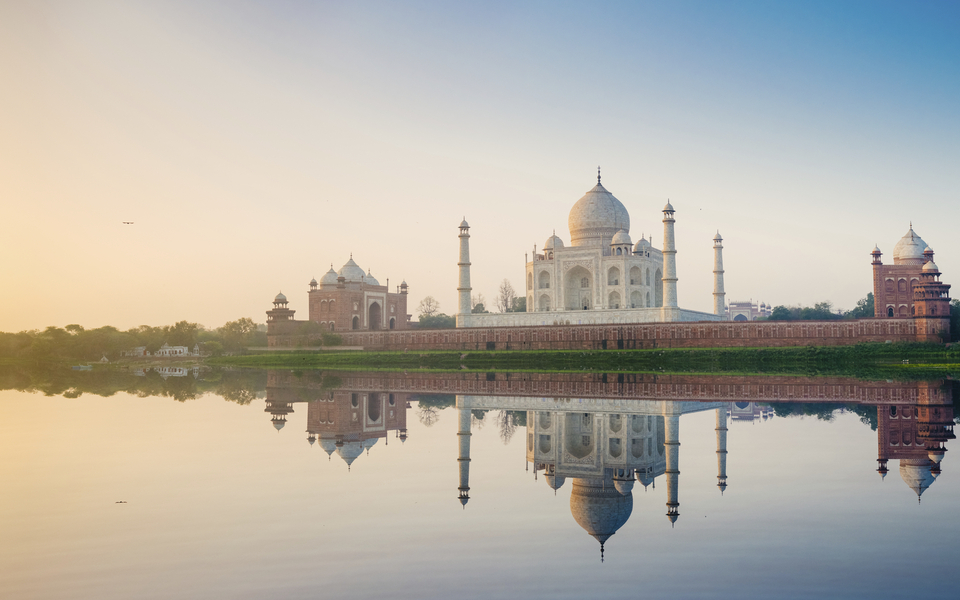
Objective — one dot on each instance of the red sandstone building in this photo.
(911, 287)
(348, 300)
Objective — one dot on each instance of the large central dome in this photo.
(596, 217)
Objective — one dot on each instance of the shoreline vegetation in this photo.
(864, 361)
(901, 361)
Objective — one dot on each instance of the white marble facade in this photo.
(601, 277)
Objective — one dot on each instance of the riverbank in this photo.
(871, 361)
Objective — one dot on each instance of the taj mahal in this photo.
(601, 277)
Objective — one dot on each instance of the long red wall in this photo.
(641, 335)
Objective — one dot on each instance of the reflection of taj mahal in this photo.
(603, 452)
(602, 272)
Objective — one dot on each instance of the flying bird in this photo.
(128, 222)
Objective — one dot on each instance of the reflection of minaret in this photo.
(722, 448)
(463, 437)
(279, 410)
(672, 444)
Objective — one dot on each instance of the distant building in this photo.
(139, 351)
(168, 350)
(747, 311)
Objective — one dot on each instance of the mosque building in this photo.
(911, 286)
(345, 300)
(601, 277)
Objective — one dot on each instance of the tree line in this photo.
(74, 342)
(824, 311)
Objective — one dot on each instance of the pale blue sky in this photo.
(255, 143)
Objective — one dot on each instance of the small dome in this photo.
(930, 267)
(313, 281)
(280, 298)
(403, 283)
(644, 478)
(596, 217)
(369, 443)
(876, 250)
(278, 424)
(669, 208)
(909, 250)
(350, 451)
(555, 482)
(463, 224)
(369, 279)
(642, 245)
(351, 272)
(312, 439)
(717, 237)
(553, 242)
(621, 237)
(624, 486)
(330, 277)
(329, 445)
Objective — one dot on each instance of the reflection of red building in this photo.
(346, 422)
(915, 435)
(350, 422)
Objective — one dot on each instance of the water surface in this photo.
(312, 485)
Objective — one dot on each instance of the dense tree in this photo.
(479, 304)
(519, 304)
(863, 310)
(238, 334)
(437, 321)
(821, 311)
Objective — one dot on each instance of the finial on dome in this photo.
(601, 551)
(598, 174)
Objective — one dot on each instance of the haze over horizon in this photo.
(254, 144)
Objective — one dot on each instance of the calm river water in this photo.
(184, 484)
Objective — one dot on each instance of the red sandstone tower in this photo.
(931, 300)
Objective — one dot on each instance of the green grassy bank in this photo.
(867, 361)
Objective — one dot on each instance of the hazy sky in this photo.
(253, 144)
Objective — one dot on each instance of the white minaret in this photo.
(463, 438)
(669, 265)
(722, 448)
(672, 443)
(719, 306)
(464, 288)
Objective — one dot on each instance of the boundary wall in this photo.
(546, 388)
(726, 334)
